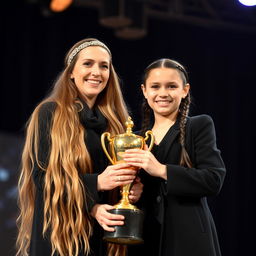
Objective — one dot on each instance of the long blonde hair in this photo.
(65, 211)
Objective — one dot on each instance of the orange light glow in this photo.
(60, 5)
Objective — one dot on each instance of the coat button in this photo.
(158, 199)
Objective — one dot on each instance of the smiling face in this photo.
(91, 72)
(164, 90)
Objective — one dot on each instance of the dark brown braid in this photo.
(183, 112)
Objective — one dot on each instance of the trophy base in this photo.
(131, 231)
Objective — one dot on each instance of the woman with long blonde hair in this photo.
(65, 174)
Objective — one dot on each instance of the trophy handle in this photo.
(152, 139)
(106, 134)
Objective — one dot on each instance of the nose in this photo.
(163, 92)
(95, 70)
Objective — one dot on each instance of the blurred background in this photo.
(214, 39)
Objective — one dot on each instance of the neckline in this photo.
(175, 126)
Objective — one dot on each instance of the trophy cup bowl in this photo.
(131, 231)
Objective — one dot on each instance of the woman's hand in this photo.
(115, 176)
(136, 191)
(105, 218)
(146, 160)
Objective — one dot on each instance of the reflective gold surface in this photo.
(117, 145)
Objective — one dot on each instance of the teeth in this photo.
(163, 103)
(93, 81)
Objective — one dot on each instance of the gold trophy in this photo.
(131, 231)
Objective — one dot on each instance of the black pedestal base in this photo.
(131, 231)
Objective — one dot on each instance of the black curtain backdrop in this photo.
(221, 65)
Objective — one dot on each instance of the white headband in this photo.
(84, 45)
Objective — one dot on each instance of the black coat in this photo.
(178, 221)
(40, 246)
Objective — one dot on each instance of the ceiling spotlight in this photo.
(60, 5)
(248, 2)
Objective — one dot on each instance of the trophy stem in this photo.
(124, 203)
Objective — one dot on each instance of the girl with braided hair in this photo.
(65, 177)
(182, 170)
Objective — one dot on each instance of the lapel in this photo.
(168, 141)
(189, 142)
(162, 155)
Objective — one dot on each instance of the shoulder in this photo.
(48, 106)
(201, 123)
(46, 109)
(45, 114)
(200, 120)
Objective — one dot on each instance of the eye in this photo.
(105, 66)
(154, 86)
(87, 63)
(172, 86)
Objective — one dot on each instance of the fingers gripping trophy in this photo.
(131, 231)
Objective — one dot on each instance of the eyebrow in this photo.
(166, 84)
(157, 82)
(104, 61)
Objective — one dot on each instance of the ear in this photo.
(186, 90)
(143, 90)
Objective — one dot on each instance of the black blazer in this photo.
(178, 221)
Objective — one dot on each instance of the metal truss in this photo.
(222, 14)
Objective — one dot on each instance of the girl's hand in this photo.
(115, 176)
(106, 219)
(146, 160)
(136, 191)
